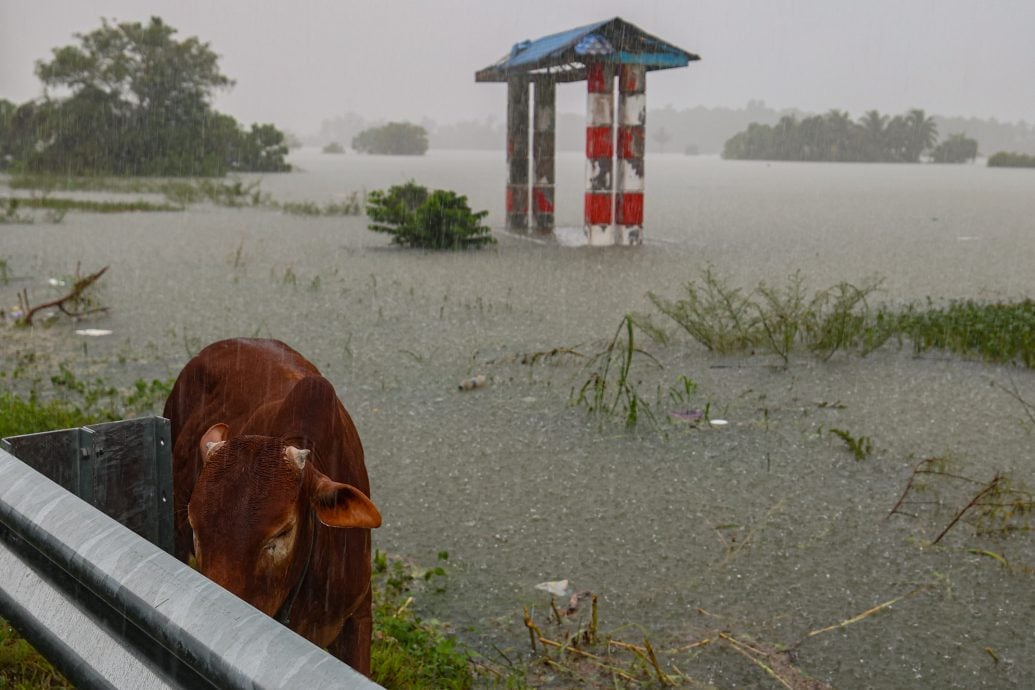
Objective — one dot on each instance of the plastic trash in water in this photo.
(474, 382)
(718, 422)
(558, 588)
(93, 332)
(689, 416)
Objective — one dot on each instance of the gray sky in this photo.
(297, 63)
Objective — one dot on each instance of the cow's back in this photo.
(226, 380)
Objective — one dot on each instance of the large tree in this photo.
(131, 99)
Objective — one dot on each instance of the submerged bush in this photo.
(437, 220)
(1006, 159)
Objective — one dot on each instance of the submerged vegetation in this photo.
(843, 318)
(1005, 159)
(415, 217)
(835, 137)
(392, 139)
(179, 194)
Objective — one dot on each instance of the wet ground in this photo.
(767, 525)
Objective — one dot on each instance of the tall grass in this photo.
(843, 318)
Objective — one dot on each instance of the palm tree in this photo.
(873, 124)
(922, 134)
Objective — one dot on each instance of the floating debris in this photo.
(93, 332)
(558, 588)
(55, 282)
(689, 416)
(474, 382)
(718, 422)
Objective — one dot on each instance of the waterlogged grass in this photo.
(408, 652)
(999, 332)
(21, 666)
(783, 319)
(611, 389)
(65, 205)
(727, 319)
(179, 193)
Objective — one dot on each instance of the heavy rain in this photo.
(784, 442)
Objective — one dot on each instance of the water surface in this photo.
(768, 524)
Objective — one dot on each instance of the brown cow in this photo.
(271, 493)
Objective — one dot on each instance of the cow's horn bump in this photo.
(297, 456)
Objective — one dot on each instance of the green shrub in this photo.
(1005, 159)
(437, 220)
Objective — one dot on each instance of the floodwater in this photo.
(766, 527)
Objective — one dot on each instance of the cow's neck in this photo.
(284, 614)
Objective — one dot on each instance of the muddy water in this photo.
(767, 524)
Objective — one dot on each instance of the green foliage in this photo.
(834, 137)
(60, 204)
(9, 213)
(21, 666)
(393, 139)
(436, 220)
(713, 313)
(408, 652)
(352, 206)
(1005, 159)
(998, 332)
(861, 446)
(612, 388)
(334, 147)
(781, 319)
(725, 319)
(139, 103)
(957, 148)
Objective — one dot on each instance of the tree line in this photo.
(836, 137)
(130, 99)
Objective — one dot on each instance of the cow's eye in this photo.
(276, 542)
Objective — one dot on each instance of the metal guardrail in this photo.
(112, 610)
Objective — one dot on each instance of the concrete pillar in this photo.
(632, 118)
(544, 125)
(517, 154)
(599, 154)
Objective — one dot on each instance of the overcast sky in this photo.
(298, 63)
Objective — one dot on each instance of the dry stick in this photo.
(1016, 395)
(593, 658)
(739, 647)
(533, 629)
(593, 622)
(988, 489)
(867, 613)
(909, 485)
(662, 676)
(77, 289)
(556, 612)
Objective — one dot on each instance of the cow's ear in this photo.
(343, 505)
(212, 439)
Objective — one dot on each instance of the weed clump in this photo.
(415, 217)
(408, 652)
(727, 319)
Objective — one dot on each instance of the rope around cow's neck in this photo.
(284, 614)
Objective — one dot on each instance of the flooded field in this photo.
(766, 525)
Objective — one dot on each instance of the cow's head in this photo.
(252, 512)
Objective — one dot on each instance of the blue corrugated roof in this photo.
(528, 52)
(611, 40)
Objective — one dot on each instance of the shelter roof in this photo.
(563, 56)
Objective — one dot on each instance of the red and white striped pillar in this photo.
(599, 154)
(517, 154)
(632, 118)
(544, 124)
